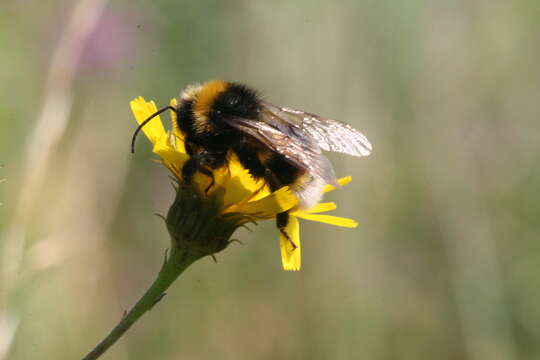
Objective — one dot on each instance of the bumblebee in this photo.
(281, 145)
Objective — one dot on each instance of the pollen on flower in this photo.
(233, 199)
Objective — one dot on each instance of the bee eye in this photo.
(232, 101)
(235, 102)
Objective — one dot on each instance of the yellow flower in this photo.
(240, 196)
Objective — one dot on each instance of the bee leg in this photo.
(271, 179)
(204, 162)
(197, 163)
(212, 182)
(282, 219)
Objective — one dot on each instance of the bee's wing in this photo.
(330, 135)
(301, 153)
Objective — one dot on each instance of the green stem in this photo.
(177, 262)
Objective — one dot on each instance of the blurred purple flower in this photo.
(115, 41)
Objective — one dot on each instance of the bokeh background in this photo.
(445, 264)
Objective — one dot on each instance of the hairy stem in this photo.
(177, 262)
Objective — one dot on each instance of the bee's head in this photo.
(221, 98)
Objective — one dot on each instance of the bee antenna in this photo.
(146, 122)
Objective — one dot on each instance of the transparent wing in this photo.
(328, 134)
(302, 153)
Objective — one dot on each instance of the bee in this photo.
(281, 145)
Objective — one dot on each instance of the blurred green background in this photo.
(445, 263)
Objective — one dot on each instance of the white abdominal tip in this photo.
(312, 193)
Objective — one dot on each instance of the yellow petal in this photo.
(238, 171)
(142, 110)
(322, 207)
(238, 191)
(221, 180)
(267, 207)
(343, 181)
(174, 120)
(170, 154)
(291, 258)
(327, 219)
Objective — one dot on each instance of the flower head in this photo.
(232, 199)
